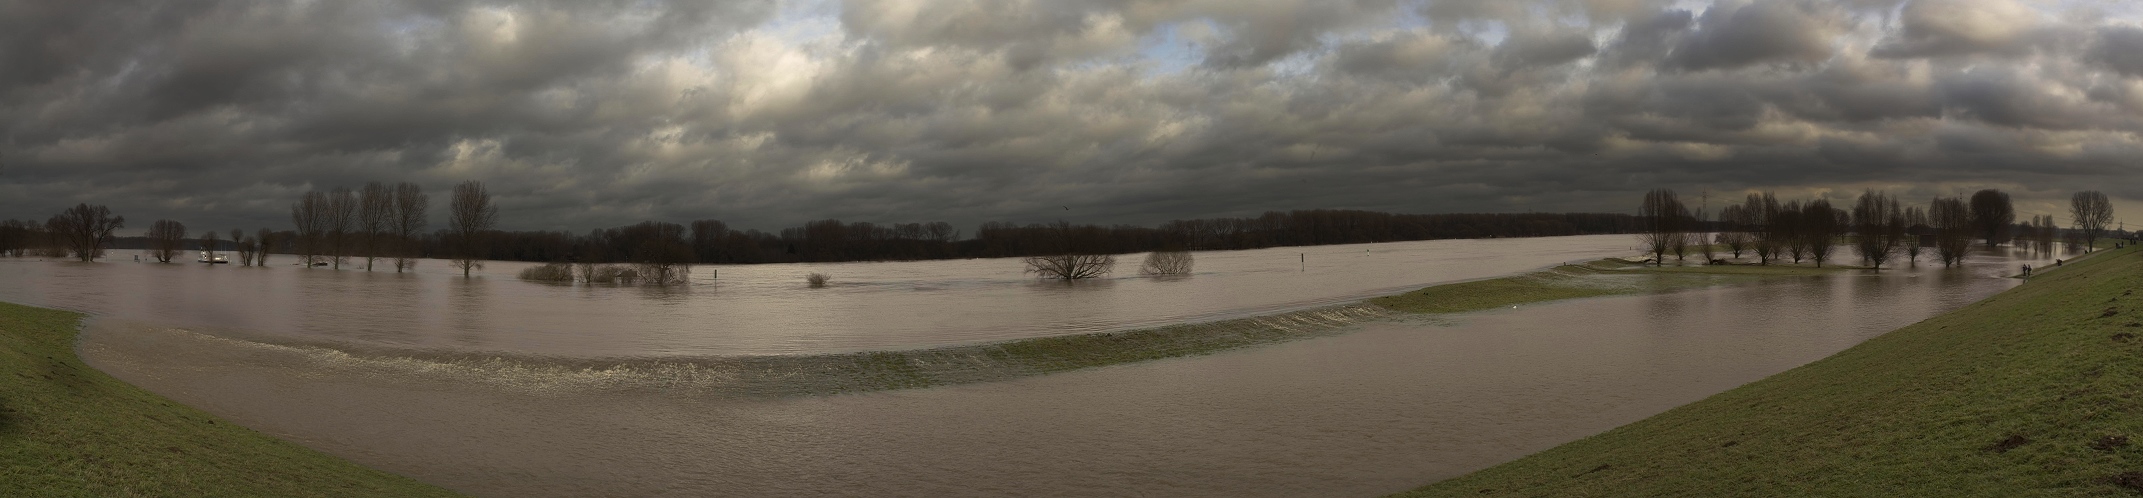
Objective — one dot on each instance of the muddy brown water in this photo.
(1395, 403)
(757, 309)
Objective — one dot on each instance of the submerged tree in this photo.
(84, 230)
(341, 225)
(1075, 262)
(469, 214)
(1878, 227)
(1992, 214)
(208, 246)
(165, 237)
(1166, 262)
(406, 222)
(266, 239)
(309, 216)
(1951, 220)
(1915, 221)
(375, 205)
(1820, 227)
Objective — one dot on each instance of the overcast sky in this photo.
(581, 114)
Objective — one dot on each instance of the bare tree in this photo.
(410, 205)
(238, 244)
(2041, 232)
(309, 215)
(1075, 262)
(266, 240)
(1661, 216)
(1701, 237)
(1915, 221)
(1790, 227)
(341, 224)
(1878, 227)
(1992, 214)
(15, 237)
(1951, 220)
(1070, 267)
(1820, 229)
(84, 230)
(2090, 212)
(469, 215)
(208, 245)
(663, 257)
(165, 237)
(1167, 262)
(1734, 230)
(1770, 226)
(375, 205)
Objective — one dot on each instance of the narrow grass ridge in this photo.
(2033, 392)
(1604, 277)
(69, 430)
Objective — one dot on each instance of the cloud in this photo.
(768, 113)
(1940, 28)
(1733, 36)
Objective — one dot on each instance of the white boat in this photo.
(211, 258)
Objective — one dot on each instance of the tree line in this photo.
(1877, 226)
(344, 226)
(713, 241)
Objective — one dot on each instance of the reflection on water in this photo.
(759, 309)
(1393, 405)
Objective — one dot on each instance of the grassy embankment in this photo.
(69, 430)
(2033, 392)
(1597, 278)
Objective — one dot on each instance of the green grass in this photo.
(2033, 392)
(1604, 277)
(69, 430)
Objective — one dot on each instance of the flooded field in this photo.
(757, 309)
(1391, 403)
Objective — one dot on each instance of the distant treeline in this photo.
(343, 224)
(711, 241)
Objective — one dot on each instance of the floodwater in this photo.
(1392, 405)
(759, 309)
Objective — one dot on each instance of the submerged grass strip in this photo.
(1597, 278)
(69, 430)
(783, 376)
(2032, 392)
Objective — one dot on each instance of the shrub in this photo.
(1166, 263)
(554, 272)
(817, 280)
(608, 274)
(1071, 267)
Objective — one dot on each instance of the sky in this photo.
(580, 114)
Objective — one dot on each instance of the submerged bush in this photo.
(1167, 263)
(817, 280)
(554, 272)
(663, 273)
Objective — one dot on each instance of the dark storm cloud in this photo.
(1784, 31)
(583, 114)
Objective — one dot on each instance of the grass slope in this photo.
(2033, 392)
(69, 430)
(1597, 278)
